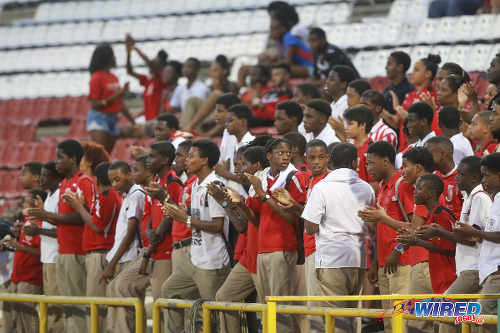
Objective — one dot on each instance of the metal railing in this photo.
(93, 302)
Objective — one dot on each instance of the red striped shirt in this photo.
(382, 132)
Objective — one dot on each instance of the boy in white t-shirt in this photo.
(209, 254)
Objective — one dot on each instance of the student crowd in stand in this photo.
(395, 192)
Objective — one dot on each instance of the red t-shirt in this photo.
(152, 209)
(451, 197)
(153, 93)
(417, 253)
(248, 258)
(104, 85)
(241, 246)
(275, 234)
(442, 268)
(386, 198)
(105, 210)
(179, 230)
(435, 123)
(69, 236)
(413, 97)
(270, 100)
(488, 148)
(27, 267)
(362, 171)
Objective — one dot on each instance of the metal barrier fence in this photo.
(397, 318)
(93, 302)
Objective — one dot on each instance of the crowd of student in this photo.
(396, 190)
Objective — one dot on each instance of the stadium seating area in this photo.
(43, 60)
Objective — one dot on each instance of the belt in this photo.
(182, 243)
(98, 251)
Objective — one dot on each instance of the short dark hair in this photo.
(320, 106)
(402, 58)
(492, 162)
(120, 165)
(382, 149)
(374, 97)
(101, 173)
(241, 111)
(443, 142)
(166, 149)
(292, 110)
(331, 146)
(434, 182)
(282, 66)
(318, 32)
(51, 166)
(228, 100)
(196, 62)
(209, 150)
(360, 86)
(297, 140)
(223, 62)
(72, 149)
(473, 163)
(36, 192)
(345, 73)
(272, 144)
(343, 155)
(422, 111)
(177, 66)
(34, 167)
(360, 114)
(256, 154)
(316, 143)
(170, 119)
(185, 145)
(449, 117)
(261, 140)
(422, 156)
(309, 89)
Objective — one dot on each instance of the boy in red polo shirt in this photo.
(442, 267)
(71, 273)
(26, 275)
(442, 152)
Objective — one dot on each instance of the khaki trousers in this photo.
(466, 283)
(239, 284)
(396, 283)
(340, 281)
(312, 285)
(187, 281)
(275, 275)
(420, 283)
(129, 283)
(193, 105)
(55, 320)
(95, 263)
(489, 306)
(21, 317)
(71, 281)
(160, 273)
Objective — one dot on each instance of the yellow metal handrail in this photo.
(167, 303)
(93, 302)
(397, 318)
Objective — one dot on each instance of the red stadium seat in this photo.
(77, 129)
(121, 150)
(379, 83)
(264, 130)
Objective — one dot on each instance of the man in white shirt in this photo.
(380, 131)
(331, 214)
(489, 253)
(336, 86)
(419, 123)
(316, 124)
(49, 181)
(126, 246)
(209, 254)
(449, 123)
(475, 212)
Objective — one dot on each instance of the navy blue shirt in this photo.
(401, 90)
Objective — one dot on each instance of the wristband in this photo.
(188, 222)
(400, 248)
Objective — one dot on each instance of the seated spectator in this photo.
(154, 84)
(336, 86)
(304, 92)
(219, 73)
(326, 55)
(354, 91)
(442, 8)
(480, 133)
(259, 79)
(288, 117)
(192, 88)
(171, 74)
(294, 52)
(316, 124)
(449, 122)
(397, 65)
(264, 109)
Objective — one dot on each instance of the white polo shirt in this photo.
(419, 143)
(227, 146)
(208, 250)
(475, 211)
(461, 147)
(48, 245)
(132, 207)
(339, 106)
(182, 93)
(489, 255)
(327, 135)
(334, 203)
